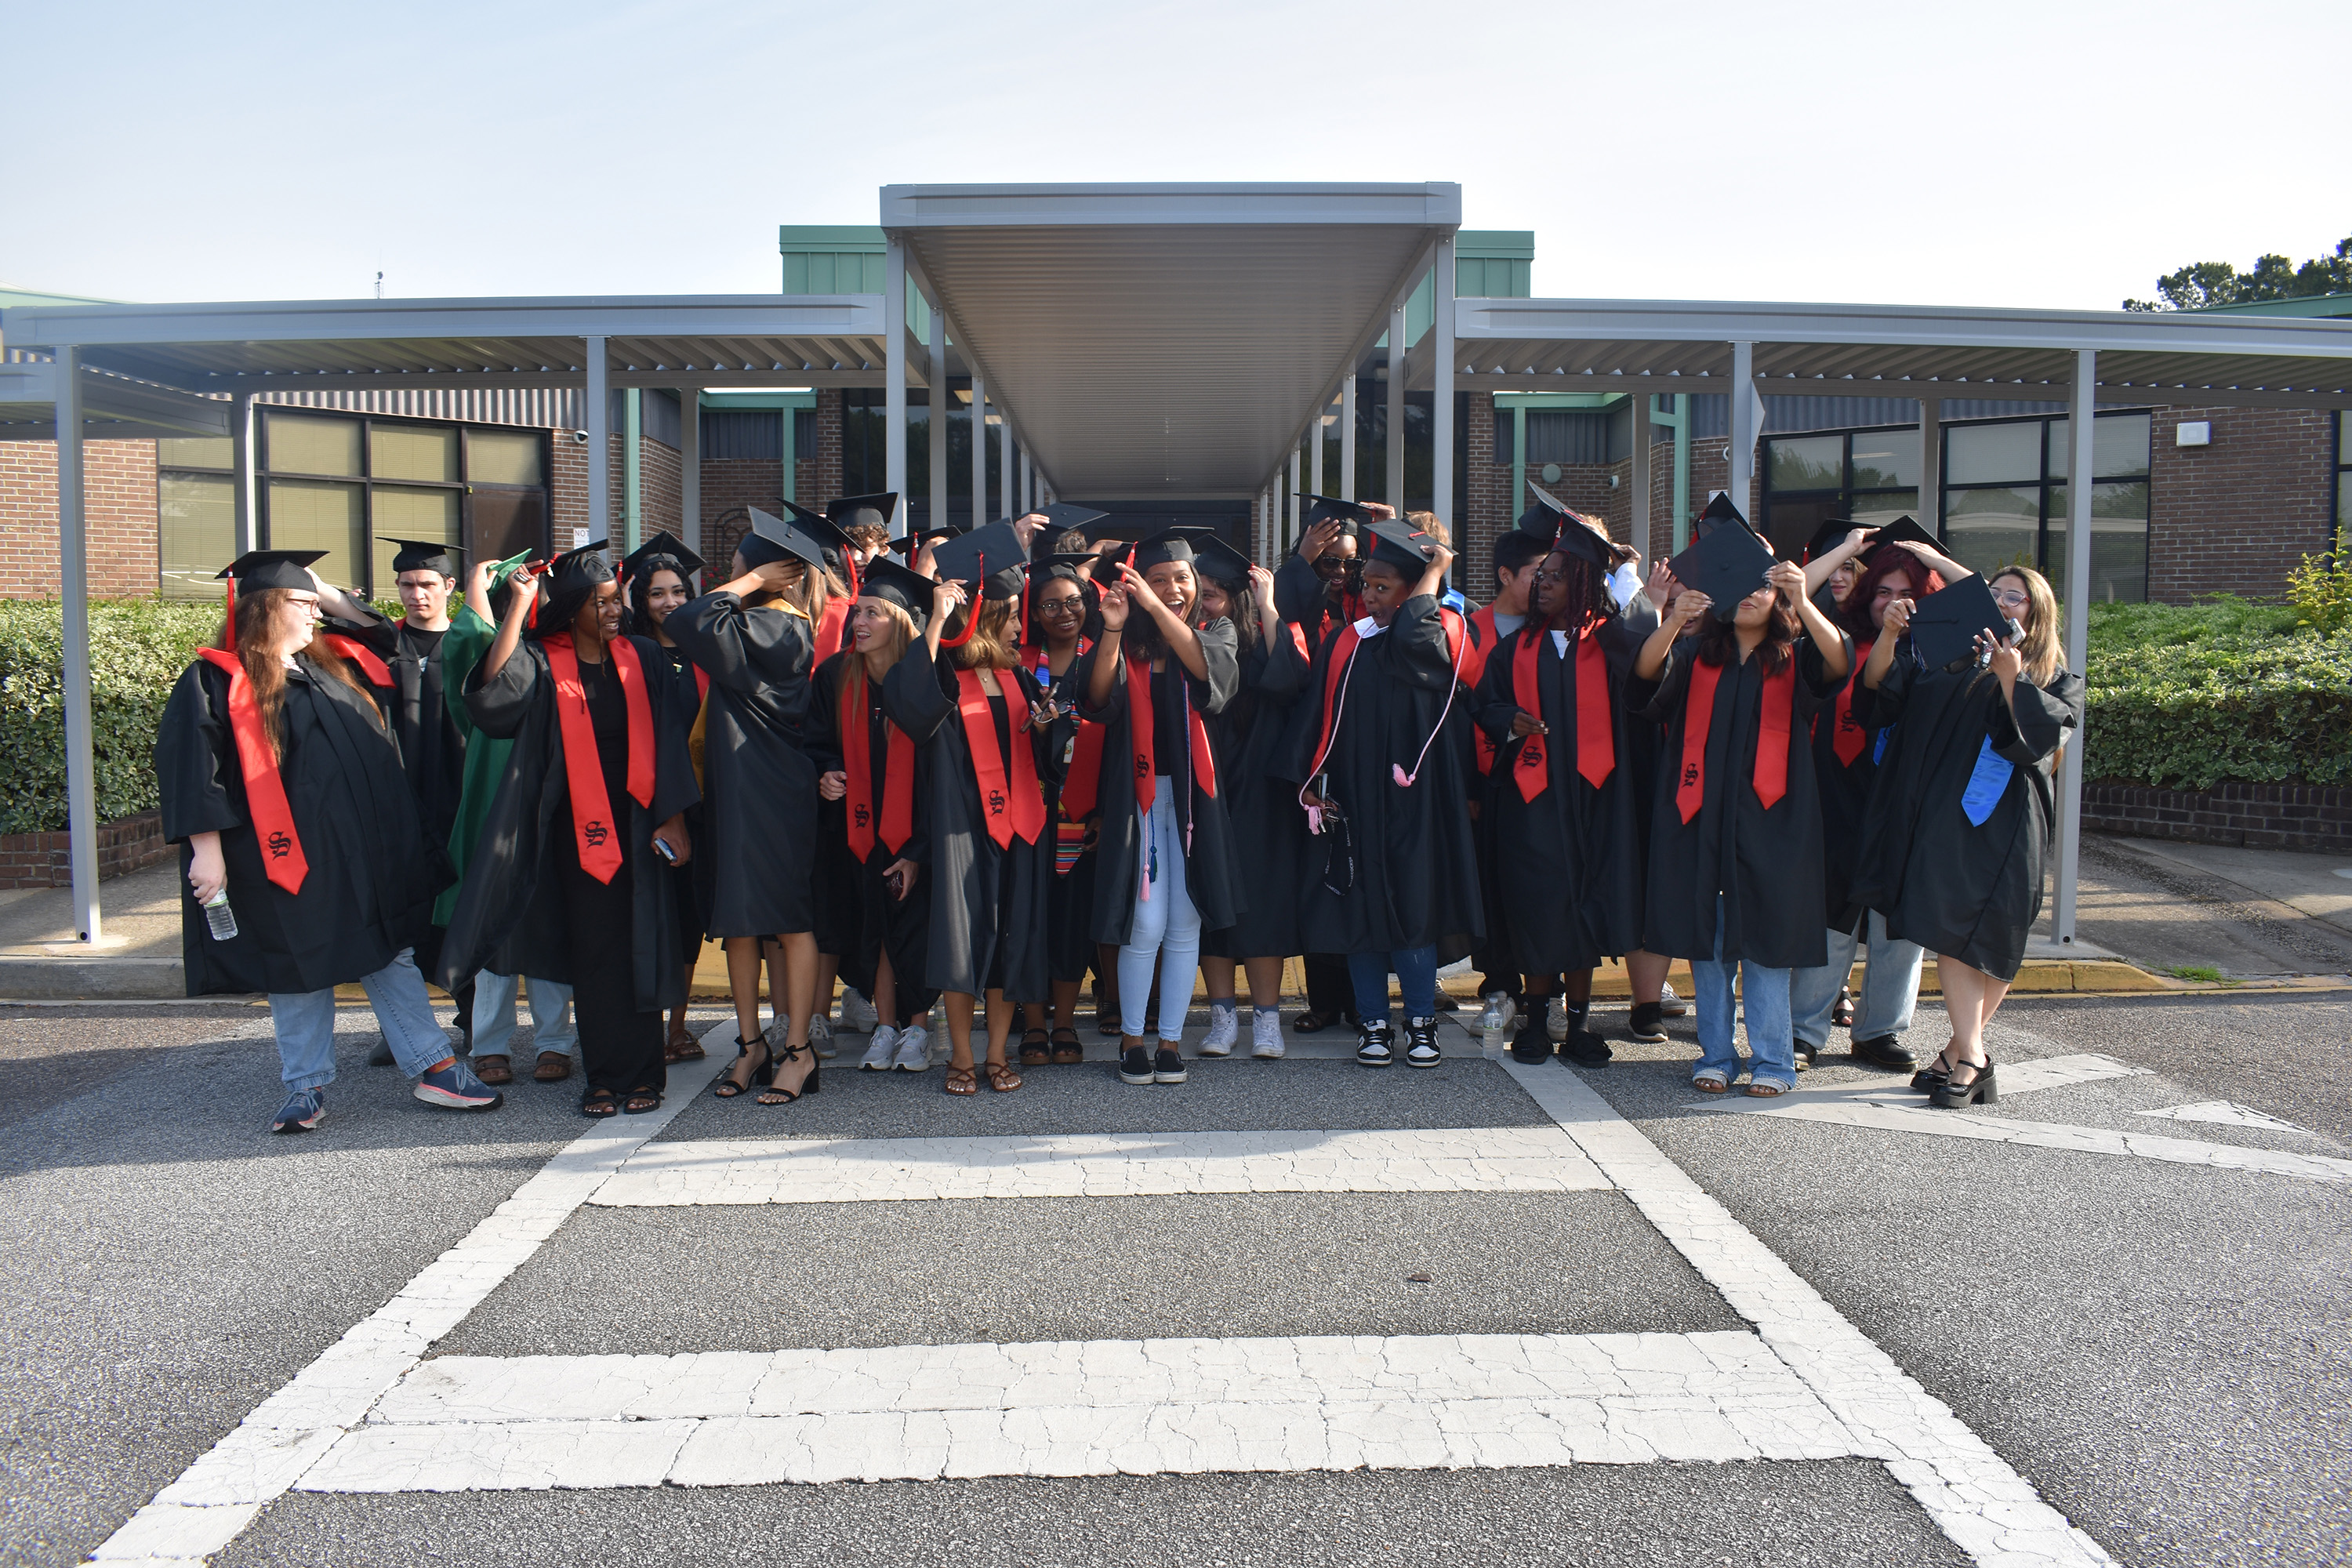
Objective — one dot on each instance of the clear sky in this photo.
(2041, 154)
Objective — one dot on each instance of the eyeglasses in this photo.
(2009, 598)
(1072, 606)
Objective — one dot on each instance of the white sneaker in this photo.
(1225, 1031)
(1556, 1019)
(858, 1015)
(879, 1054)
(1669, 1005)
(820, 1037)
(1502, 1012)
(1265, 1033)
(914, 1051)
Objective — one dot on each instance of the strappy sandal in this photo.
(643, 1098)
(682, 1047)
(1069, 1052)
(600, 1103)
(494, 1068)
(776, 1095)
(1000, 1076)
(1033, 1050)
(729, 1086)
(1841, 1011)
(961, 1080)
(553, 1067)
(1313, 1023)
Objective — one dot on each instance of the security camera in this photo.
(580, 437)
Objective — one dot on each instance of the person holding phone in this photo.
(659, 578)
(1061, 601)
(1956, 838)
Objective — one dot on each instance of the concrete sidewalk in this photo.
(2152, 916)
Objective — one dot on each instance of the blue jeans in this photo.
(1166, 931)
(1771, 1043)
(1890, 987)
(1416, 972)
(494, 1014)
(305, 1023)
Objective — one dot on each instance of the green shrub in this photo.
(138, 648)
(2321, 592)
(2187, 696)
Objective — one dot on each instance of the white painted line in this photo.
(2021, 1078)
(1988, 1510)
(900, 1170)
(217, 1496)
(2226, 1113)
(1100, 1408)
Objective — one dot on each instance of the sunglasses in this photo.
(2008, 598)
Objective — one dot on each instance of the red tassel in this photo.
(970, 624)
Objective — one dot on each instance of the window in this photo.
(2006, 499)
(1870, 476)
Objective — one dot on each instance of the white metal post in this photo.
(73, 578)
(1638, 525)
(689, 465)
(600, 445)
(1743, 427)
(1284, 535)
(242, 429)
(1348, 438)
(978, 450)
(1931, 466)
(1393, 482)
(894, 378)
(1315, 453)
(2075, 590)
(633, 440)
(936, 428)
(1004, 462)
(1028, 483)
(1441, 424)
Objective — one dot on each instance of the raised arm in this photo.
(1789, 578)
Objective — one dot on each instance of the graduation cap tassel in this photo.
(970, 624)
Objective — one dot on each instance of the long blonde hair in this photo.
(990, 647)
(856, 668)
(2041, 651)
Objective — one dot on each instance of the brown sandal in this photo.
(683, 1047)
(1034, 1052)
(1000, 1076)
(553, 1067)
(1069, 1052)
(961, 1080)
(494, 1068)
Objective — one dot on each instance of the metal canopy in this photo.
(1168, 341)
(114, 408)
(1605, 345)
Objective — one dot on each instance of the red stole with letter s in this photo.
(1012, 807)
(597, 836)
(1778, 702)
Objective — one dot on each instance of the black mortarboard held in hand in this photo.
(1727, 564)
(1159, 549)
(1944, 624)
(1903, 530)
(1579, 540)
(773, 539)
(566, 585)
(663, 545)
(1402, 545)
(886, 580)
(1213, 557)
(1063, 516)
(425, 555)
(990, 555)
(1323, 508)
(1543, 517)
(1718, 511)
(908, 545)
(1832, 533)
(875, 511)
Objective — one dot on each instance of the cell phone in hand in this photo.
(896, 882)
(662, 848)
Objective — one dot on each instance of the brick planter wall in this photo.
(44, 859)
(2258, 816)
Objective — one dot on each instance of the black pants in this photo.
(1328, 990)
(620, 1047)
(429, 961)
(900, 927)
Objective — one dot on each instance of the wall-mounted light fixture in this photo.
(2193, 433)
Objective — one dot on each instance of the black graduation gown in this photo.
(1302, 598)
(1957, 889)
(510, 916)
(987, 905)
(1212, 876)
(757, 869)
(1070, 947)
(686, 698)
(1846, 794)
(373, 873)
(431, 748)
(1269, 831)
(1415, 874)
(1766, 864)
(864, 918)
(1567, 865)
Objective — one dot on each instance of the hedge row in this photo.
(2180, 696)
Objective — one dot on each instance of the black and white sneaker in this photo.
(1135, 1066)
(1373, 1045)
(1646, 1024)
(1669, 1005)
(1167, 1067)
(1421, 1043)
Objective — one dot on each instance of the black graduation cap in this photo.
(1727, 564)
(773, 539)
(663, 543)
(1577, 538)
(1156, 549)
(1064, 516)
(1213, 557)
(1831, 534)
(884, 579)
(1718, 511)
(425, 555)
(566, 585)
(1543, 515)
(991, 555)
(1903, 531)
(907, 544)
(1323, 508)
(1102, 526)
(1402, 545)
(258, 570)
(1944, 624)
(850, 511)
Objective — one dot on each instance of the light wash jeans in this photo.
(494, 1014)
(1167, 929)
(1416, 972)
(1890, 985)
(305, 1023)
(1764, 991)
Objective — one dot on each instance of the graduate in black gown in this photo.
(1561, 799)
(283, 784)
(1061, 604)
(755, 637)
(1389, 875)
(1249, 739)
(1735, 850)
(1166, 870)
(1958, 834)
(871, 772)
(569, 878)
(985, 728)
(658, 577)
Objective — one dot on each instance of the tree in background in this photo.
(2210, 283)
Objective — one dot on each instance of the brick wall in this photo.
(43, 859)
(735, 482)
(660, 477)
(2235, 516)
(567, 489)
(118, 505)
(2258, 816)
(819, 474)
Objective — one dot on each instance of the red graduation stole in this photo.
(1018, 808)
(830, 628)
(1847, 738)
(1596, 742)
(1482, 638)
(1139, 737)
(1778, 702)
(265, 791)
(1343, 649)
(898, 788)
(1082, 780)
(359, 653)
(599, 840)
(701, 684)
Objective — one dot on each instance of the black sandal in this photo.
(641, 1100)
(772, 1095)
(1033, 1050)
(727, 1087)
(1312, 1023)
(1069, 1052)
(600, 1103)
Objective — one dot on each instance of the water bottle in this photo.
(220, 917)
